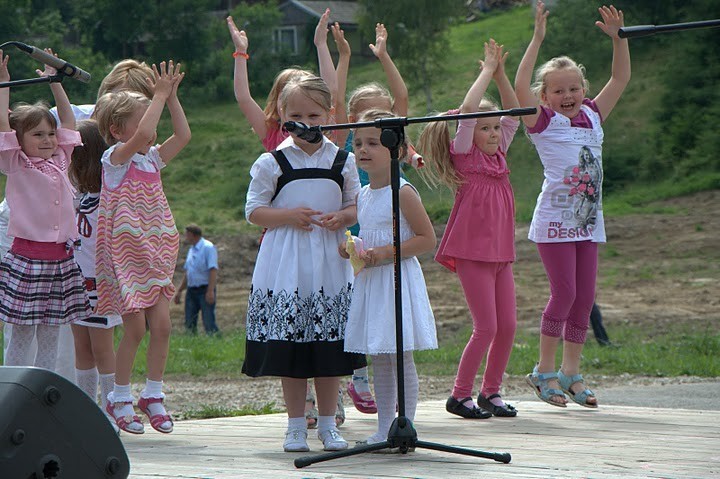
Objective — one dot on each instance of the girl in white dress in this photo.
(304, 194)
(371, 321)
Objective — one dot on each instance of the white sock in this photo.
(325, 423)
(47, 340)
(411, 385)
(119, 396)
(297, 423)
(87, 380)
(360, 380)
(385, 394)
(20, 340)
(107, 383)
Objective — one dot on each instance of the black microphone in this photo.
(643, 30)
(311, 134)
(59, 64)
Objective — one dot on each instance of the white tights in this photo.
(21, 338)
(385, 381)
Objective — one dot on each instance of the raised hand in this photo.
(4, 72)
(342, 44)
(302, 218)
(612, 21)
(380, 46)
(49, 71)
(321, 29)
(164, 79)
(178, 78)
(492, 52)
(239, 37)
(540, 21)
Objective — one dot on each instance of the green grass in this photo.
(678, 351)
(205, 411)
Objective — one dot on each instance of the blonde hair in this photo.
(128, 75)
(272, 118)
(434, 145)
(115, 108)
(369, 91)
(377, 113)
(553, 65)
(24, 117)
(85, 170)
(312, 87)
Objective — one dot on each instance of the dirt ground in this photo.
(656, 270)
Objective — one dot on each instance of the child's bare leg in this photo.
(121, 397)
(86, 374)
(159, 323)
(548, 347)
(571, 366)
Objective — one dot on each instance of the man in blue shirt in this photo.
(201, 268)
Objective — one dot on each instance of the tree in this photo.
(417, 35)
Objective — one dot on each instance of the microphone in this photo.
(311, 134)
(644, 30)
(59, 64)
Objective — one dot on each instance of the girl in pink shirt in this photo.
(478, 243)
(41, 286)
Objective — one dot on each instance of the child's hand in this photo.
(540, 21)
(302, 218)
(164, 79)
(380, 46)
(492, 50)
(342, 45)
(377, 256)
(612, 21)
(4, 72)
(332, 221)
(322, 28)
(342, 250)
(239, 37)
(178, 78)
(49, 71)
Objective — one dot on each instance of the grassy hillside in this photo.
(207, 182)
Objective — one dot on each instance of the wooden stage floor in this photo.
(545, 442)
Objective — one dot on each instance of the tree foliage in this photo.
(417, 31)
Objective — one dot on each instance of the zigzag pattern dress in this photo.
(137, 244)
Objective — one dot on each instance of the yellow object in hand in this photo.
(354, 247)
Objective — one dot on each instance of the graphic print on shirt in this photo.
(88, 204)
(585, 181)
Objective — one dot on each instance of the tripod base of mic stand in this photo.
(402, 435)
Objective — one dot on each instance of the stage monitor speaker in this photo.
(50, 429)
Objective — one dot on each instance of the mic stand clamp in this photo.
(56, 78)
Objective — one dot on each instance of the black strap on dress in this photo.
(291, 174)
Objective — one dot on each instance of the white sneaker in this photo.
(332, 440)
(296, 441)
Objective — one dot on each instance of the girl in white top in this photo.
(568, 223)
(371, 322)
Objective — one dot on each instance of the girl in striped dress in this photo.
(41, 286)
(137, 241)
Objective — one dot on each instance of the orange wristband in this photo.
(241, 54)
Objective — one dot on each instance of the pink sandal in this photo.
(158, 419)
(363, 402)
(124, 421)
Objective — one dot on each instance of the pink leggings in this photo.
(572, 271)
(490, 294)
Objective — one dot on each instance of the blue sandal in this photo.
(581, 397)
(539, 383)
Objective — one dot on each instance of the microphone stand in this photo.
(57, 78)
(644, 30)
(402, 434)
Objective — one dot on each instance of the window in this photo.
(285, 39)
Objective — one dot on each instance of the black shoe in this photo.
(455, 406)
(501, 411)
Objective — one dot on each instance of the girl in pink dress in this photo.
(137, 241)
(478, 243)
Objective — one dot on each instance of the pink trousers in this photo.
(490, 294)
(572, 271)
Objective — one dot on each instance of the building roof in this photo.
(342, 12)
